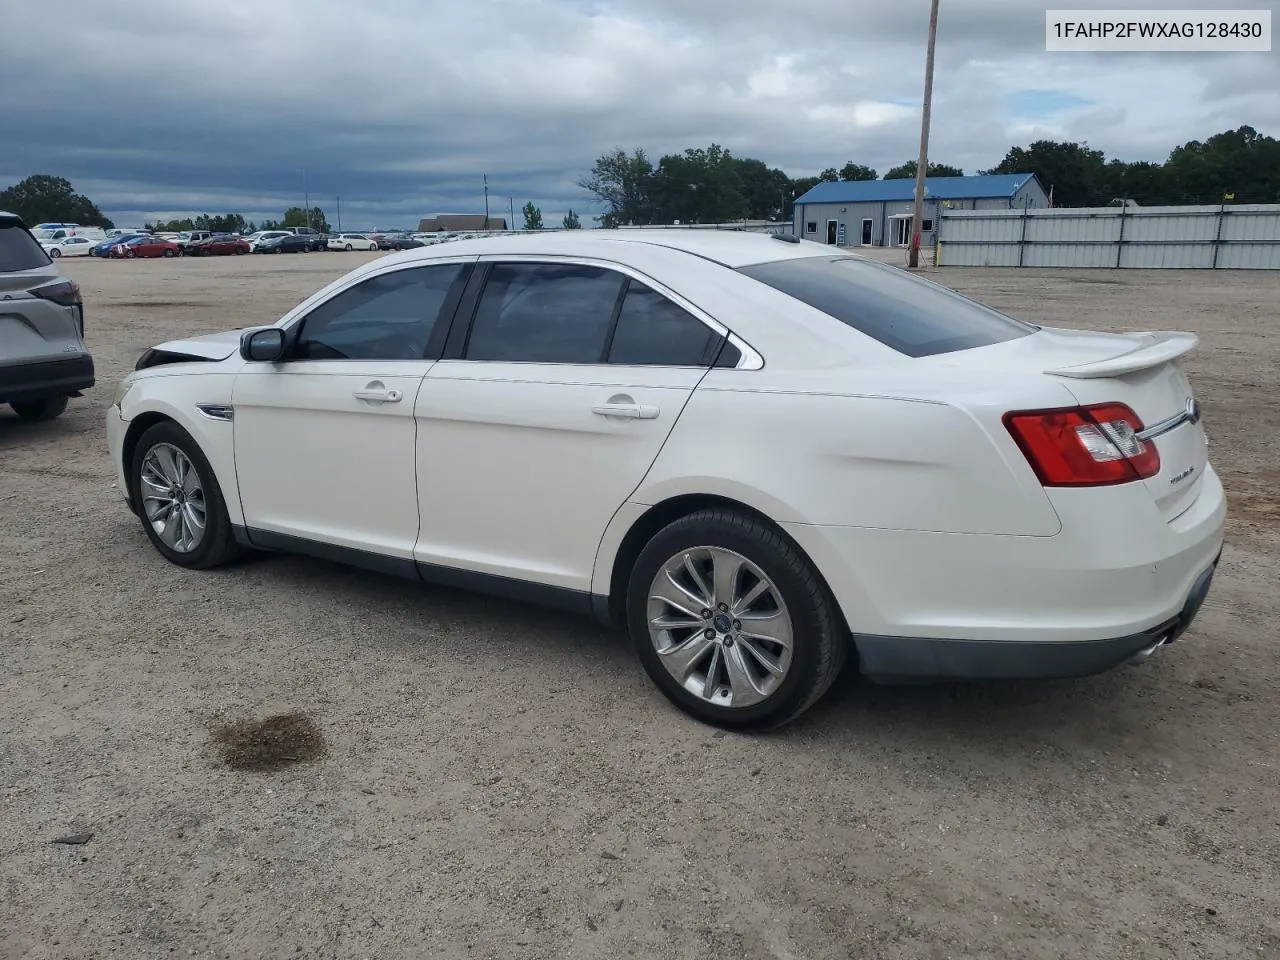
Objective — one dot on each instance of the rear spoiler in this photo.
(1161, 347)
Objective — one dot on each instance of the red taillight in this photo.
(64, 292)
(1084, 446)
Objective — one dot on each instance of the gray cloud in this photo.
(400, 106)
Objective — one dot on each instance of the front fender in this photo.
(176, 397)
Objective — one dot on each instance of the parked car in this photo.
(218, 245)
(145, 247)
(60, 231)
(103, 249)
(761, 455)
(399, 242)
(258, 236)
(351, 241)
(318, 239)
(186, 237)
(69, 247)
(285, 243)
(43, 357)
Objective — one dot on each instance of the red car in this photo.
(146, 247)
(218, 246)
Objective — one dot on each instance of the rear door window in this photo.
(545, 313)
(907, 313)
(653, 330)
(19, 250)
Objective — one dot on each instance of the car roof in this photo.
(731, 248)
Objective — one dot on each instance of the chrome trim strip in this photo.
(1191, 414)
(216, 411)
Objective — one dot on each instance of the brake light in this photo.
(1084, 446)
(64, 292)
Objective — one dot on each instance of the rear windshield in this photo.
(19, 250)
(912, 315)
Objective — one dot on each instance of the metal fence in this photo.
(1224, 237)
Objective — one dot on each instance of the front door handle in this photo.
(377, 393)
(627, 411)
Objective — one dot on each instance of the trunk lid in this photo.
(1142, 371)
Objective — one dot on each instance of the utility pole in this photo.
(306, 197)
(511, 209)
(922, 164)
(486, 201)
(338, 202)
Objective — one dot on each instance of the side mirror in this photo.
(263, 346)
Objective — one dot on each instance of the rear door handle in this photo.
(627, 411)
(377, 393)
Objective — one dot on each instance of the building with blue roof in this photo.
(878, 212)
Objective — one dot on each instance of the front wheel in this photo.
(179, 500)
(168, 253)
(732, 622)
(35, 410)
(55, 253)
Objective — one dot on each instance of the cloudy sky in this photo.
(161, 107)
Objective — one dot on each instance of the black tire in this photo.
(348, 248)
(55, 253)
(820, 638)
(240, 250)
(36, 410)
(218, 546)
(168, 253)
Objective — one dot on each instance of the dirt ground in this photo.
(502, 781)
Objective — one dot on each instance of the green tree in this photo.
(856, 171)
(908, 169)
(298, 217)
(1239, 164)
(532, 217)
(701, 185)
(1076, 174)
(571, 221)
(46, 199)
(621, 182)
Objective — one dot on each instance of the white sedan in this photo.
(760, 456)
(69, 247)
(351, 241)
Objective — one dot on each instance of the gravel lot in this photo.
(502, 781)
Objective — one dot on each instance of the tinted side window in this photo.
(653, 330)
(909, 314)
(18, 249)
(388, 317)
(544, 313)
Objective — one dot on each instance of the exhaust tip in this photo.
(1143, 655)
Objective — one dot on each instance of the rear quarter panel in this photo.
(851, 459)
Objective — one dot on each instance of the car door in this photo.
(325, 440)
(560, 382)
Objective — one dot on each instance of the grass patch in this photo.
(271, 744)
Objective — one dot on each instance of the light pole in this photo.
(486, 201)
(306, 197)
(922, 164)
(338, 203)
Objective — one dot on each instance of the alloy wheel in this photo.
(720, 626)
(173, 498)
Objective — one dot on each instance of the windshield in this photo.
(905, 312)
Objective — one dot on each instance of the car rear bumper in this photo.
(50, 378)
(1115, 577)
(916, 658)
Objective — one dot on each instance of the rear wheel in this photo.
(168, 253)
(55, 253)
(179, 500)
(45, 409)
(348, 248)
(732, 621)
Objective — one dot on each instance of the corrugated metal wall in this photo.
(1231, 236)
